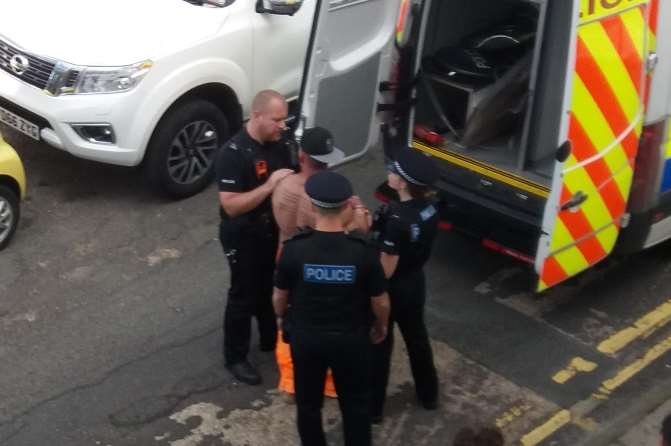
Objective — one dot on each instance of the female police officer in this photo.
(406, 230)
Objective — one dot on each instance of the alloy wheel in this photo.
(192, 152)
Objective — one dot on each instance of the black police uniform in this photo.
(249, 242)
(331, 277)
(408, 229)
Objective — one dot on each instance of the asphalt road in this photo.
(110, 311)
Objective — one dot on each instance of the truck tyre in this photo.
(182, 151)
(9, 215)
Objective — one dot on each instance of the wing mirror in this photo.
(279, 7)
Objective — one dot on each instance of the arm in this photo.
(280, 301)
(361, 219)
(238, 203)
(381, 308)
(389, 263)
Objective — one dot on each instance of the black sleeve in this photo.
(376, 282)
(284, 277)
(392, 233)
(230, 170)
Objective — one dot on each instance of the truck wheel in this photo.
(9, 215)
(182, 151)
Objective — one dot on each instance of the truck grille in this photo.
(39, 69)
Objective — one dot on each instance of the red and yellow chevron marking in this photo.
(403, 14)
(653, 23)
(605, 126)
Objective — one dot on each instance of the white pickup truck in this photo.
(152, 82)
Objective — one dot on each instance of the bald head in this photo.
(265, 100)
(269, 113)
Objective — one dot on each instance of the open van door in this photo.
(349, 54)
(604, 110)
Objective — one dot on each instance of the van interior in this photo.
(492, 83)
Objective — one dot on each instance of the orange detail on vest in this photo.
(261, 167)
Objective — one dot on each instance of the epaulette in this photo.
(301, 234)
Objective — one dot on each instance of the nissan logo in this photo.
(19, 64)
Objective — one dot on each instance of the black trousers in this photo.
(408, 295)
(348, 357)
(251, 259)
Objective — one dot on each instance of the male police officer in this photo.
(249, 167)
(330, 280)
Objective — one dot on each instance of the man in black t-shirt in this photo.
(328, 283)
(249, 167)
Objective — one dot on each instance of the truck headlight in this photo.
(111, 79)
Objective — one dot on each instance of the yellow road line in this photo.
(577, 365)
(580, 410)
(512, 414)
(634, 368)
(643, 328)
(543, 431)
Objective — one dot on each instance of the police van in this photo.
(548, 118)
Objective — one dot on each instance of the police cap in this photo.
(415, 167)
(328, 190)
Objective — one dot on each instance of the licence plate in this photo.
(20, 124)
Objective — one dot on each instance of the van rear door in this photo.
(348, 56)
(604, 110)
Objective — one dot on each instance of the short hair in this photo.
(666, 430)
(487, 436)
(417, 191)
(315, 164)
(263, 98)
(330, 212)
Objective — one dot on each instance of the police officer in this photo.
(249, 167)
(407, 229)
(329, 281)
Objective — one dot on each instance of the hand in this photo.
(378, 334)
(278, 176)
(356, 202)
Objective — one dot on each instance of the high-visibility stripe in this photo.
(572, 261)
(592, 10)
(598, 171)
(578, 226)
(654, 16)
(608, 237)
(587, 113)
(402, 20)
(602, 92)
(623, 34)
(605, 126)
(653, 21)
(607, 63)
(553, 274)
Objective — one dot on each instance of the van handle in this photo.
(575, 202)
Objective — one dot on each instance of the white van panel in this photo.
(660, 94)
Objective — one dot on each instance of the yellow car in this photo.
(12, 191)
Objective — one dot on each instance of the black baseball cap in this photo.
(317, 143)
(415, 167)
(328, 190)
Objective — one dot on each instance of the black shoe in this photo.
(245, 372)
